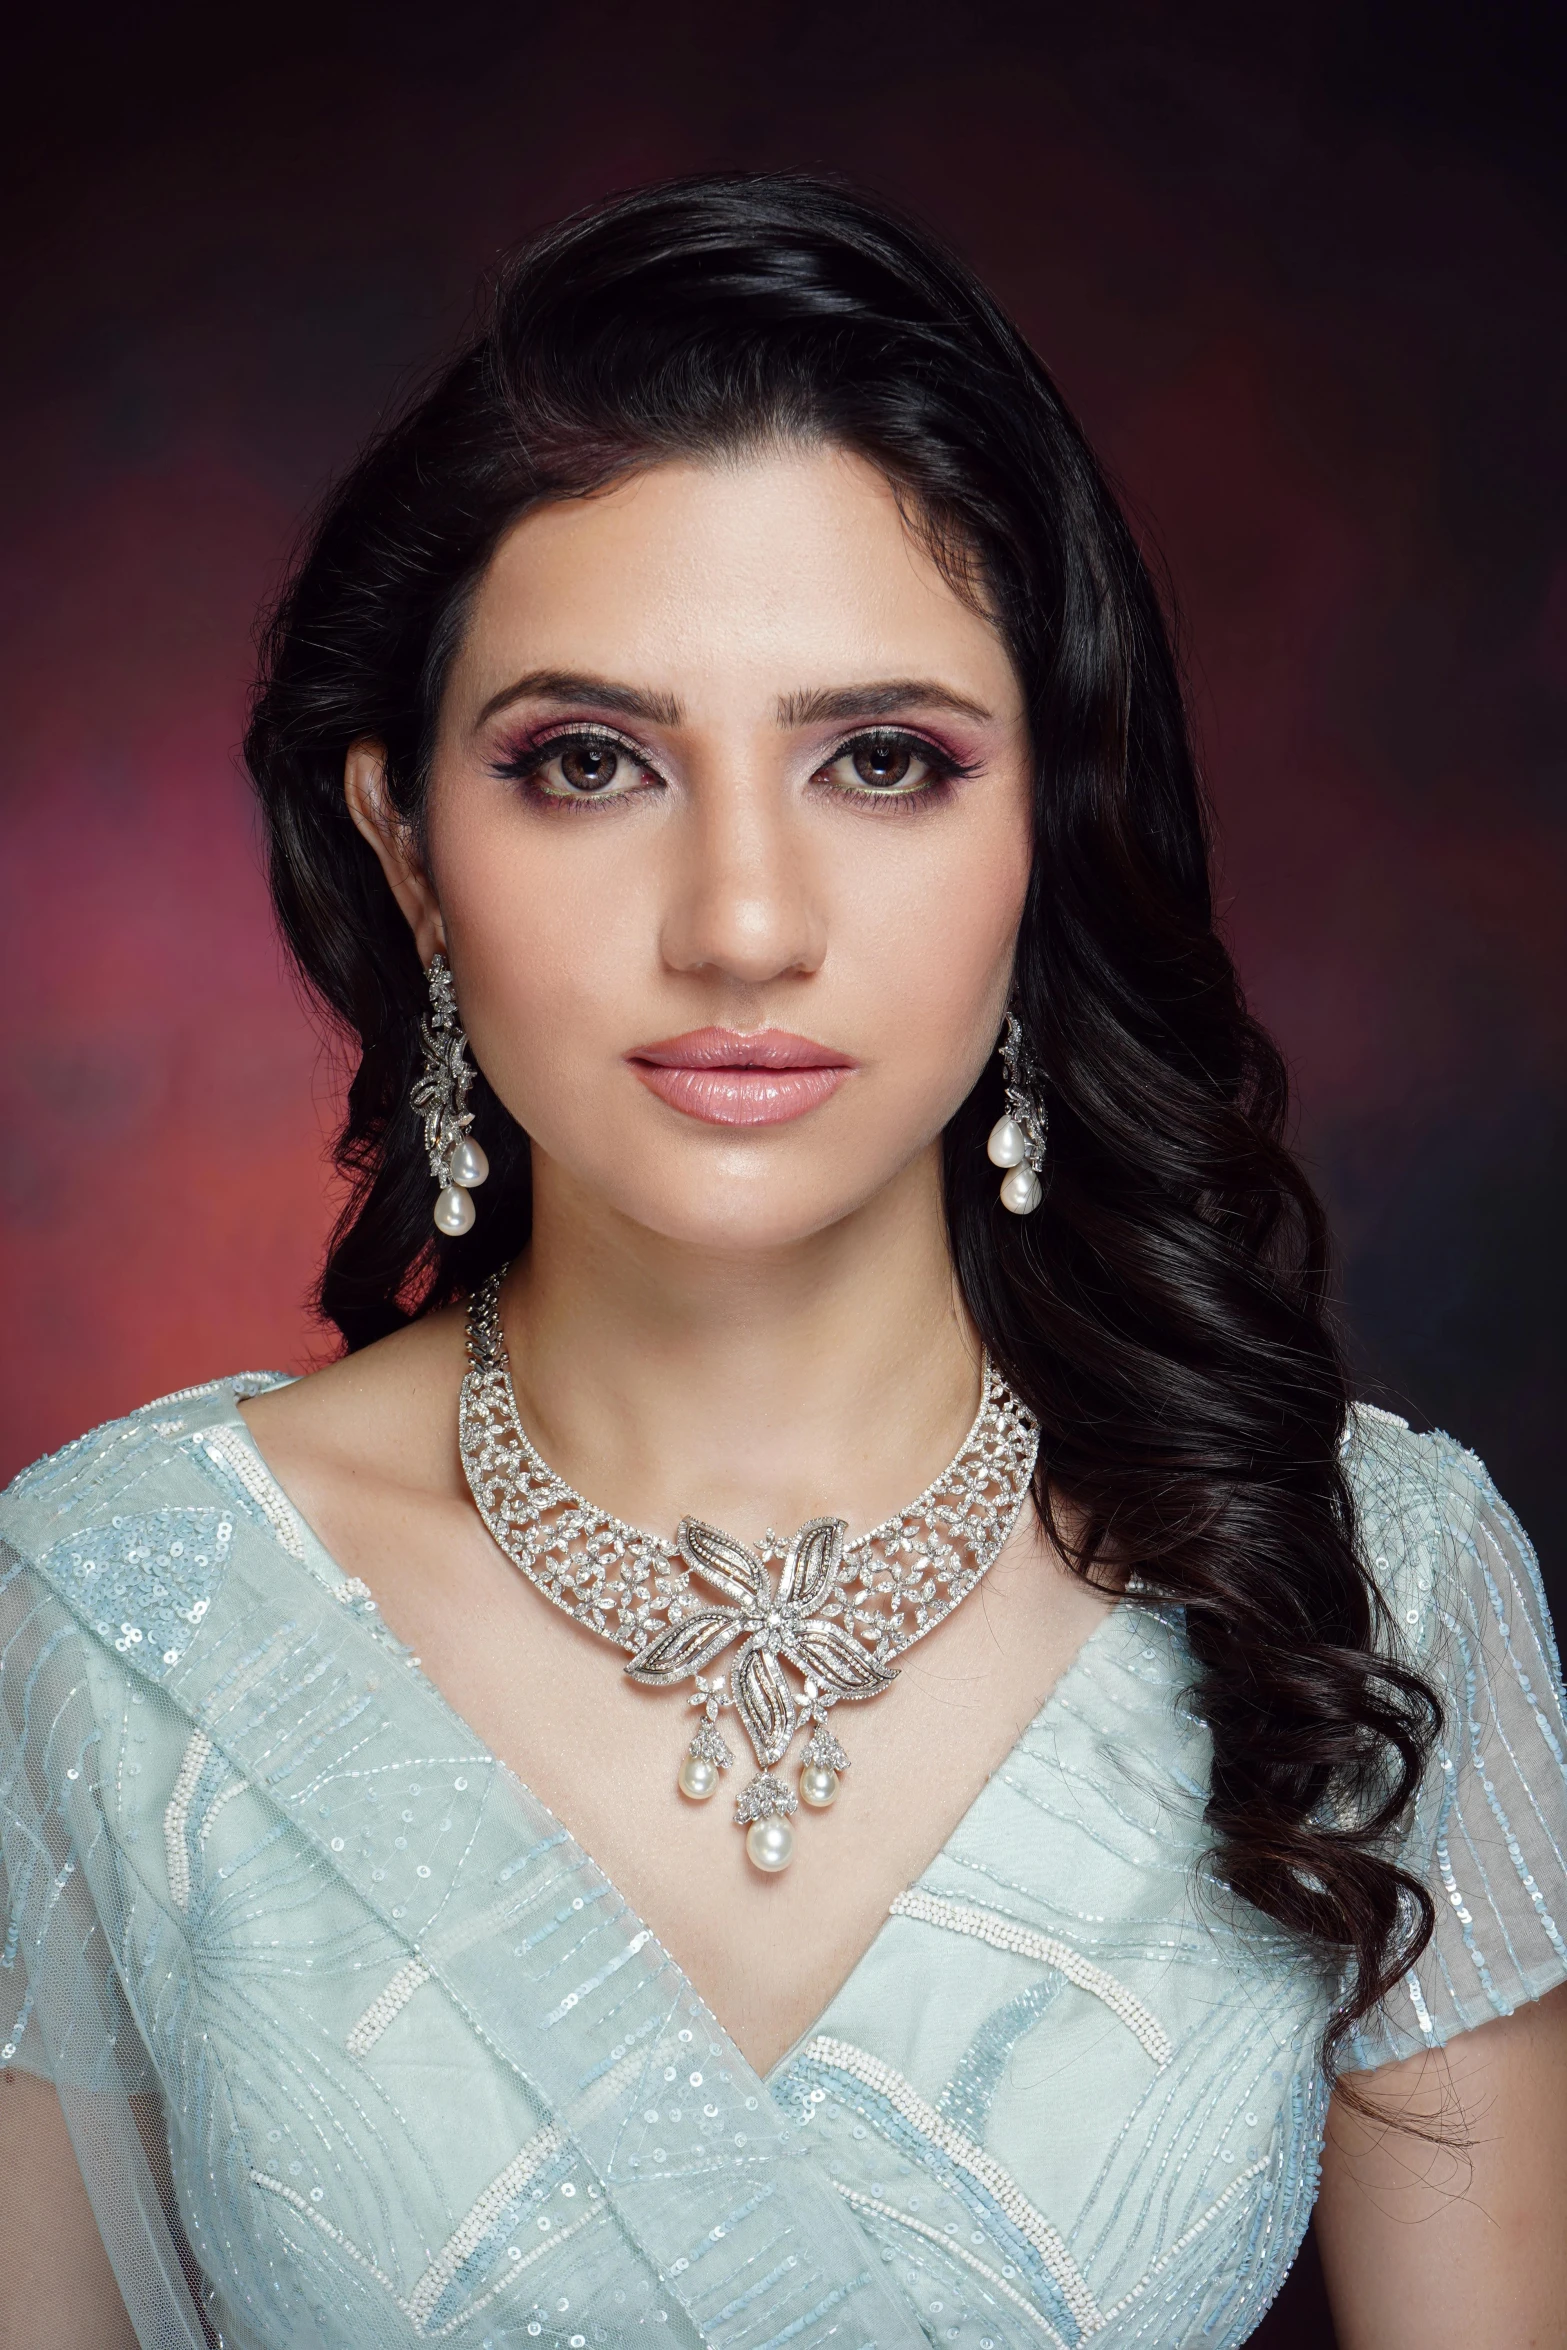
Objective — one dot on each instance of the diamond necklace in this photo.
(837, 1611)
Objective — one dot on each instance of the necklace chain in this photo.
(838, 1611)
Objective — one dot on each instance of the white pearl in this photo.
(1021, 1191)
(454, 1211)
(1007, 1146)
(769, 1845)
(698, 1777)
(818, 1786)
(469, 1165)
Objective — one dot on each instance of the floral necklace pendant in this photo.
(835, 1612)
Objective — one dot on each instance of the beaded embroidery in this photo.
(991, 2187)
(492, 2211)
(174, 1819)
(388, 2005)
(1171, 2147)
(146, 1582)
(230, 1449)
(1005, 1934)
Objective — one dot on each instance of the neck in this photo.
(832, 1377)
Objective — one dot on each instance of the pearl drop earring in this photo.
(440, 1094)
(1017, 1139)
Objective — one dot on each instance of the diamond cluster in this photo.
(833, 1611)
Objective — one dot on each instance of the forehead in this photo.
(764, 573)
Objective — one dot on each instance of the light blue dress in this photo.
(358, 2048)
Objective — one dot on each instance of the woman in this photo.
(530, 1833)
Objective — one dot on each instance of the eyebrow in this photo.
(837, 704)
(874, 701)
(569, 685)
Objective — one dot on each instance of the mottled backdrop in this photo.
(1302, 272)
(1305, 282)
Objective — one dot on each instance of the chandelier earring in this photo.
(1018, 1138)
(440, 1095)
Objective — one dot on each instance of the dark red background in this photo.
(1302, 273)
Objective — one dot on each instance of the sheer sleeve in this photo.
(64, 2013)
(1489, 1836)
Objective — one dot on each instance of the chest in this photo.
(552, 1701)
(429, 2072)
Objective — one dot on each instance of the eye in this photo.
(586, 764)
(888, 763)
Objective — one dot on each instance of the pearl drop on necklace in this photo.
(698, 1777)
(837, 1612)
(769, 1845)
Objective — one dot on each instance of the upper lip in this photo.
(728, 1048)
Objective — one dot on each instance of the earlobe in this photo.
(364, 789)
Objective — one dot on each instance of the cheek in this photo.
(932, 936)
(556, 934)
(548, 940)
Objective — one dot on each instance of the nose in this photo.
(744, 902)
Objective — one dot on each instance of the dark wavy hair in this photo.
(1165, 1314)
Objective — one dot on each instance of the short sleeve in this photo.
(62, 2011)
(1489, 1835)
(64, 2014)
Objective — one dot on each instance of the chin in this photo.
(744, 1218)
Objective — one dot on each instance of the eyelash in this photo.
(944, 768)
(525, 762)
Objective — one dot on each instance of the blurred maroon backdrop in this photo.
(1305, 285)
(1305, 282)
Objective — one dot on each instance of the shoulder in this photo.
(1436, 1535)
(132, 1524)
(385, 1411)
(1487, 1832)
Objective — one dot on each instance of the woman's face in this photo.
(727, 844)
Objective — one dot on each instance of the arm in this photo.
(1464, 2246)
(57, 2290)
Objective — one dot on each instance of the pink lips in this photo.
(728, 1079)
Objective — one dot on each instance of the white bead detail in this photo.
(1185, 2242)
(391, 2002)
(469, 1166)
(541, 2148)
(291, 2195)
(1007, 1146)
(698, 1777)
(769, 1845)
(454, 1211)
(230, 1448)
(224, 1795)
(1021, 1191)
(951, 2251)
(1003, 1934)
(842, 2056)
(818, 1786)
(176, 1850)
(423, 2302)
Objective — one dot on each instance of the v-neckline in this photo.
(319, 1561)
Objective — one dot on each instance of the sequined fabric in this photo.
(421, 2075)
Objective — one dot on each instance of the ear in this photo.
(364, 788)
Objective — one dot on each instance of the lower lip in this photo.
(741, 1097)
